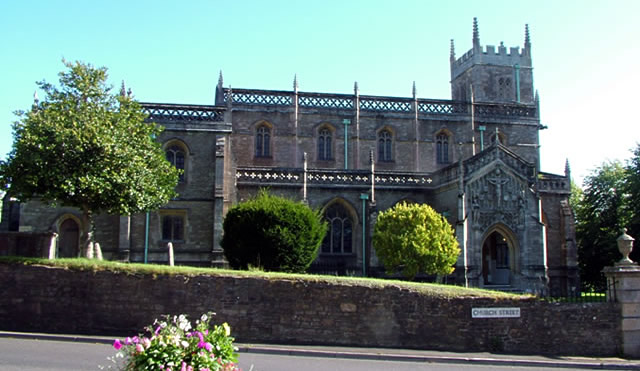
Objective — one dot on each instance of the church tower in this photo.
(498, 76)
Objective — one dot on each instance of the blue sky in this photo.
(585, 55)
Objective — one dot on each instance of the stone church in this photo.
(474, 158)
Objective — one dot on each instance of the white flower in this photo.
(203, 318)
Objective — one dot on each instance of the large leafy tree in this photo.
(86, 147)
(633, 199)
(414, 238)
(601, 213)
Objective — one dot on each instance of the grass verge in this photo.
(80, 264)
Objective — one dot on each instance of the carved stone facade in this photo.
(475, 159)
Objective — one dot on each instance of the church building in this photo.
(474, 158)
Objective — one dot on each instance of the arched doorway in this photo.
(497, 259)
(68, 239)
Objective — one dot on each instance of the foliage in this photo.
(632, 188)
(601, 213)
(415, 238)
(172, 344)
(86, 147)
(272, 233)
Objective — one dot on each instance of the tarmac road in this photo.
(20, 351)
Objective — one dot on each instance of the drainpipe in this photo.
(146, 237)
(346, 123)
(364, 197)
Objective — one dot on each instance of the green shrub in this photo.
(414, 238)
(272, 233)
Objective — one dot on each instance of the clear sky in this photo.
(585, 55)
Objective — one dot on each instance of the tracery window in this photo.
(324, 145)
(263, 141)
(442, 148)
(339, 237)
(385, 144)
(176, 156)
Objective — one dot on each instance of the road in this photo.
(35, 355)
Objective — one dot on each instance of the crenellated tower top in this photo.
(497, 75)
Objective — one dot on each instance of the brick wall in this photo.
(311, 311)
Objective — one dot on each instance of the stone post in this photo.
(171, 258)
(623, 286)
(53, 245)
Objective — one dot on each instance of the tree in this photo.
(601, 215)
(632, 188)
(272, 233)
(88, 148)
(414, 238)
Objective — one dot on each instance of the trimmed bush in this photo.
(272, 233)
(414, 238)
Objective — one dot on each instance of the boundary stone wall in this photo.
(300, 311)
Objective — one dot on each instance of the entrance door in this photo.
(68, 239)
(496, 269)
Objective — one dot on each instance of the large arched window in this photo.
(442, 148)
(339, 237)
(176, 156)
(324, 144)
(263, 141)
(385, 145)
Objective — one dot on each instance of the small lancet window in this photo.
(442, 149)
(385, 143)
(324, 145)
(263, 141)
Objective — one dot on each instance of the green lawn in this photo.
(80, 264)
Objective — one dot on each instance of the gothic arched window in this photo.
(339, 237)
(176, 156)
(263, 141)
(385, 144)
(324, 145)
(442, 148)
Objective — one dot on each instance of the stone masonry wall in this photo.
(303, 311)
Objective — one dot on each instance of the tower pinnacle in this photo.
(452, 52)
(476, 34)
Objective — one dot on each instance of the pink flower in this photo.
(117, 344)
(146, 342)
(139, 348)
